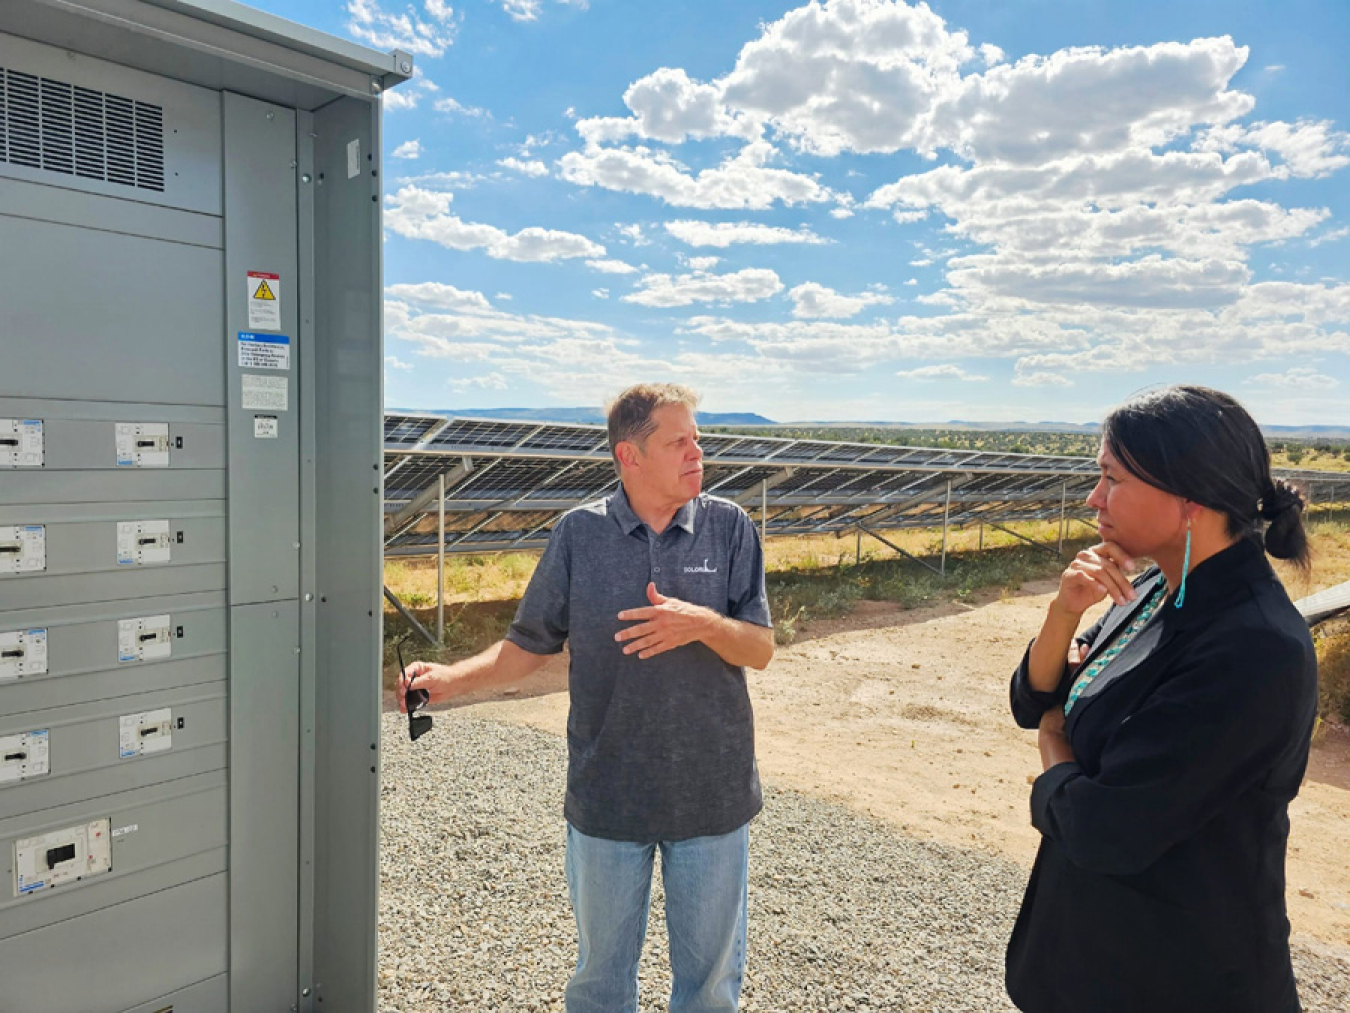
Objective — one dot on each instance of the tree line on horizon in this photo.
(1286, 451)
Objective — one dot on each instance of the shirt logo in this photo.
(701, 569)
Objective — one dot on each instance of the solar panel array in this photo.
(507, 482)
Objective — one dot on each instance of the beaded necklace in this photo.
(1122, 641)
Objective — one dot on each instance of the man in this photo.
(661, 592)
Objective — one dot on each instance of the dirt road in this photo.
(903, 714)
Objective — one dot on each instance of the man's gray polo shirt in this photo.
(660, 749)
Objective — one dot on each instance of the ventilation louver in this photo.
(59, 127)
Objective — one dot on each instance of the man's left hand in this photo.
(665, 624)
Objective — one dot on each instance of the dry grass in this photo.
(1333, 670)
(1312, 460)
(823, 575)
(1329, 535)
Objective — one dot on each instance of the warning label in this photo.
(264, 351)
(264, 300)
(265, 393)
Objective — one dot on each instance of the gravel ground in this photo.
(846, 913)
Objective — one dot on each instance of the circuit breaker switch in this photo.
(147, 638)
(55, 856)
(21, 443)
(62, 856)
(151, 732)
(23, 548)
(23, 652)
(23, 756)
(142, 444)
(143, 542)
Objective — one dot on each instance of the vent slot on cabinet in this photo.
(59, 127)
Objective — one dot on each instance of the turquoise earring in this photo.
(1185, 569)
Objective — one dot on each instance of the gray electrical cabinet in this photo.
(190, 502)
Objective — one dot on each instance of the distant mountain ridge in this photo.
(596, 416)
(1310, 431)
(588, 416)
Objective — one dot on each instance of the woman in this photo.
(1173, 732)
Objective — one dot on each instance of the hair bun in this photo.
(1281, 498)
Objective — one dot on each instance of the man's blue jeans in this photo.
(610, 883)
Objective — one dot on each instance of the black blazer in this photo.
(1159, 884)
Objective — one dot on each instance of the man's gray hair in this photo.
(630, 414)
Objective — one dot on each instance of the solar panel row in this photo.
(508, 481)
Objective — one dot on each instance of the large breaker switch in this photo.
(145, 639)
(24, 755)
(142, 542)
(142, 444)
(140, 734)
(21, 444)
(23, 652)
(23, 549)
(62, 856)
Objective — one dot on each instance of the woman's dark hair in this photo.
(1201, 445)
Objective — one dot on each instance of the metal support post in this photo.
(891, 545)
(858, 546)
(1034, 544)
(440, 560)
(981, 536)
(764, 511)
(946, 514)
(1063, 501)
(407, 614)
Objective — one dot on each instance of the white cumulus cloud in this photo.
(945, 371)
(1298, 378)
(425, 214)
(750, 285)
(429, 33)
(815, 301)
(526, 167)
(742, 181)
(724, 234)
(611, 266)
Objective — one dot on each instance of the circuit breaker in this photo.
(21, 443)
(23, 548)
(23, 653)
(142, 444)
(190, 506)
(144, 639)
(62, 856)
(140, 543)
(24, 755)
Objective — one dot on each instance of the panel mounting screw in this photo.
(405, 67)
(374, 87)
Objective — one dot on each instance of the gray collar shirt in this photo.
(661, 749)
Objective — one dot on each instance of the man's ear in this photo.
(627, 453)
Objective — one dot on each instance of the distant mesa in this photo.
(590, 416)
(596, 416)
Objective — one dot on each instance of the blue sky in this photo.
(865, 209)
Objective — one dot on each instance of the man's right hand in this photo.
(500, 665)
(1096, 573)
(423, 675)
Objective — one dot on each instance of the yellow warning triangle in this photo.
(264, 292)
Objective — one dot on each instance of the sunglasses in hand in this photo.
(415, 699)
